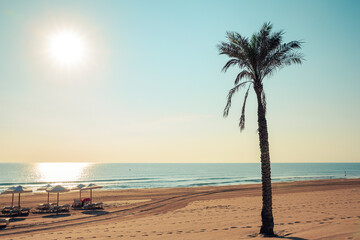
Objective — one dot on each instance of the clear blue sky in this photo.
(152, 89)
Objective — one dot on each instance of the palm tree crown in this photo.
(257, 57)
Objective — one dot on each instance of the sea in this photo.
(161, 175)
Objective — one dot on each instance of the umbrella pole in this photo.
(58, 198)
(48, 197)
(80, 194)
(12, 200)
(19, 200)
(90, 195)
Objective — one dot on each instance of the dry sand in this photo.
(324, 209)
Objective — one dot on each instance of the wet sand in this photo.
(324, 209)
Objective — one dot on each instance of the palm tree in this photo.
(259, 57)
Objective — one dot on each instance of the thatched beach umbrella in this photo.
(58, 189)
(79, 187)
(19, 189)
(90, 187)
(43, 188)
(9, 191)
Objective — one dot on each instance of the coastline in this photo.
(316, 209)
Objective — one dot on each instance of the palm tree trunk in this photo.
(267, 219)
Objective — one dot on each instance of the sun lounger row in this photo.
(94, 206)
(49, 208)
(15, 211)
(86, 204)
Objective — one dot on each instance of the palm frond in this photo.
(243, 74)
(229, 97)
(242, 117)
(281, 56)
(230, 63)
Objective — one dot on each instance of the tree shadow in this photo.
(95, 212)
(293, 238)
(16, 219)
(57, 215)
(279, 237)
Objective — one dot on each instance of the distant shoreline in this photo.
(137, 176)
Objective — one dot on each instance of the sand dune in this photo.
(325, 209)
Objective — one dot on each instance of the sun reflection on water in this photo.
(61, 172)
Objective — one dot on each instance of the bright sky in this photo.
(149, 87)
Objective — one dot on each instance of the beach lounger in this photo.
(99, 205)
(24, 212)
(43, 207)
(4, 222)
(77, 203)
(15, 212)
(19, 212)
(6, 210)
(89, 206)
(55, 209)
(65, 208)
(93, 206)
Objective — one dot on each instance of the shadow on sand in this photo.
(280, 237)
(293, 238)
(95, 212)
(59, 215)
(17, 219)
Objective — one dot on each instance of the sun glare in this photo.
(67, 48)
(57, 172)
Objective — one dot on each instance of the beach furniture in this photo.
(77, 203)
(86, 201)
(4, 222)
(99, 205)
(17, 211)
(90, 187)
(19, 189)
(43, 188)
(43, 207)
(58, 209)
(58, 189)
(55, 209)
(9, 191)
(6, 210)
(65, 208)
(79, 187)
(94, 206)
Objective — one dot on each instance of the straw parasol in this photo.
(90, 187)
(79, 187)
(8, 191)
(19, 189)
(43, 188)
(58, 189)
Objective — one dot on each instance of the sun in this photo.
(67, 48)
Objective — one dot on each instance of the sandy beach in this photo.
(324, 209)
